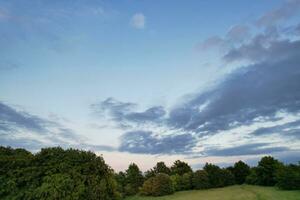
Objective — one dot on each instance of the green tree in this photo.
(214, 175)
(159, 185)
(288, 177)
(180, 168)
(200, 180)
(266, 171)
(240, 171)
(134, 179)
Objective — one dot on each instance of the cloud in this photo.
(145, 142)
(247, 149)
(290, 129)
(238, 33)
(125, 115)
(264, 47)
(211, 42)
(138, 21)
(10, 119)
(288, 9)
(259, 90)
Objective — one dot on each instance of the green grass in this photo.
(243, 192)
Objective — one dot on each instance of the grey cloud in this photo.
(285, 11)
(238, 33)
(211, 42)
(291, 129)
(247, 149)
(13, 121)
(259, 90)
(125, 115)
(145, 142)
(10, 118)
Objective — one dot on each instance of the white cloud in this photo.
(138, 21)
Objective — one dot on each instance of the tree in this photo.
(180, 168)
(134, 179)
(161, 168)
(266, 171)
(226, 178)
(214, 175)
(252, 177)
(186, 181)
(288, 177)
(200, 180)
(159, 185)
(55, 173)
(240, 171)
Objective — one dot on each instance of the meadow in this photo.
(240, 192)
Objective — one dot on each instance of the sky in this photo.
(147, 81)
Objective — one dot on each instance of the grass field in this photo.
(243, 192)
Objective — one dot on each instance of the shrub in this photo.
(200, 180)
(186, 181)
(159, 185)
(288, 177)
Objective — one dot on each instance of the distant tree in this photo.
(161, 168)
(200, 180)
(159, 185)
(252, 177)
(214, 175)
(121, 181)
(134, 179)
(266, 171)
(288, 177)
(176, 182)
(180, 168)
(186, 181)
(226, 178)
(240, 171)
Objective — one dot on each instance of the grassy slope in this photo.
(244, 192)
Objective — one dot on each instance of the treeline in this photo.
(55, 173)
(162, 180)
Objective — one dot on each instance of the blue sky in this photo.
(143, 81)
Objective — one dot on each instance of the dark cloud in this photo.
(291, 129)
(259, 90)
(125, 115)
(10, 119)
(261, 50)
(146, 142)
(247, 149)
(13, 121)
(285, 11)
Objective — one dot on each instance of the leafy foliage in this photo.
(288, 177)
(180, 168)
(200, 180)
(159, 185)
(240, 171)
(54, 173)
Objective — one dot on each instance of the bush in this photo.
(252, 177)
(176, 182)
(200, 180)
(288, 177)
(186, 181)
(159, 185)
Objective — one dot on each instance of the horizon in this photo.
(144, 82)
